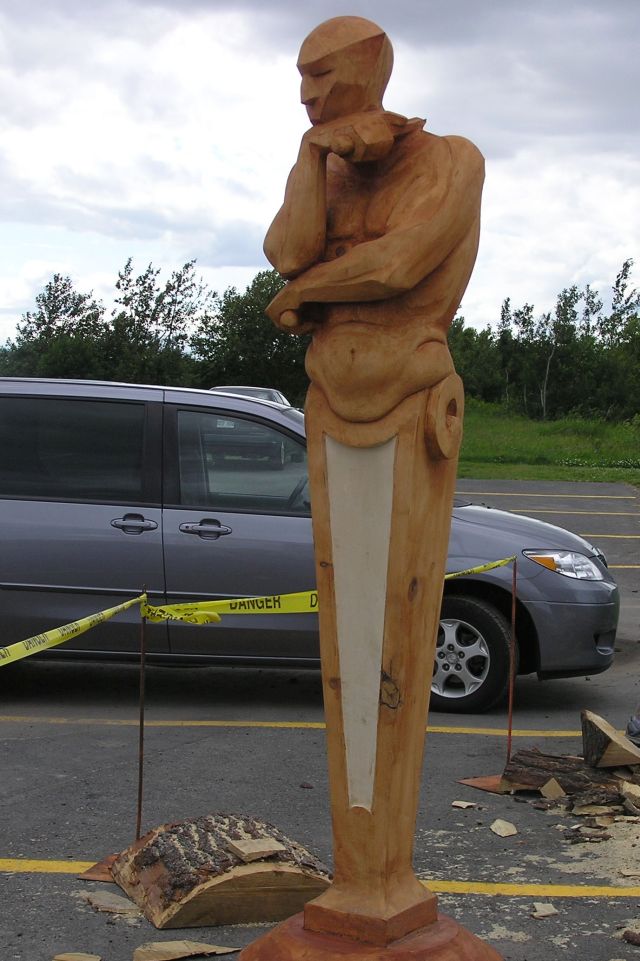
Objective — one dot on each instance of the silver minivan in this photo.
(107, 490)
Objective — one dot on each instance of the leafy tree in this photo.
(474, 352)
(237, 344)
(60, 337)
(151, 324)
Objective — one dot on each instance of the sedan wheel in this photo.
(471, 668)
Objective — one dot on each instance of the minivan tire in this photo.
(463, 684)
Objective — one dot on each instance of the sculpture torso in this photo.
(366, 372)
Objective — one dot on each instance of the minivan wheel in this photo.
(471, 668)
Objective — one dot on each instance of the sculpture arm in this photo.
(296, 238)
(398, 261)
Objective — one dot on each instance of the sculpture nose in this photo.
(308, 92)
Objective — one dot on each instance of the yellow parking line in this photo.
(549, 510)
(501, 732)
(607, 497)
(29, 866)
(625, 567)
(290, 725)
(33, 866)
(533, 890)
(627, 537)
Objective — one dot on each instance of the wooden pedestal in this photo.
(444, 940)
(382, 494)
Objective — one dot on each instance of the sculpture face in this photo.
(344, 73)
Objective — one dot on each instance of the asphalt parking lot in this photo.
(245, 741)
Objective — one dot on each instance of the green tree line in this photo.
(578, 359)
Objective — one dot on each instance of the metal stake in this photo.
(512, 656)
(143, 624)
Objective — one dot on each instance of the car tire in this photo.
(278, 458)
(465, 684)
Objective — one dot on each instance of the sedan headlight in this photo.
(568, 563)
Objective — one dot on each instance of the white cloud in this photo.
(165, 131)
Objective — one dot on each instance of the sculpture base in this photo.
(444, 940)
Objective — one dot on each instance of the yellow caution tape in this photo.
(304, 602)
(193, 612)
(41, 642)
(199, 612)
(482, 568)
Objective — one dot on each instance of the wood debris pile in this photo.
(602, 787)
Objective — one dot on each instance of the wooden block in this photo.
(603, 746)
(255, 849)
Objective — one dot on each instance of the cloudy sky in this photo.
(164, 130)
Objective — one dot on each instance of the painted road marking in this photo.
(290, 725)
(549, 510)
(528, 890)
(607, 497)
(625, 567)
(628, 537)
(33, 866)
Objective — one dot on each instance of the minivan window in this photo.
(236, 464)
(59, 449)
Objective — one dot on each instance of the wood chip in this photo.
(630, 872)
(463, 804)
(630, 791)
(175, 950)
(255, 849)
(584, 810)
(111, 903)
(624, 773)
(504, 829)
(603, 822)
(552, 789)
(543, 910)
(77, 956)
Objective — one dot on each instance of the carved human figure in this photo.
(378, 232)
(377, 237)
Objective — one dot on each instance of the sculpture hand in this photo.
(361, 137)
(283, 311)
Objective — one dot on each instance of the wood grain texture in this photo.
(444, 940)
(603, 746)
(187, 874)
(374, 884)
(377, 237)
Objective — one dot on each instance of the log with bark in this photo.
(199, 872)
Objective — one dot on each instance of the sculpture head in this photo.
(345, 65)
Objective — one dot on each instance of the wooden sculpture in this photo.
(377, 237)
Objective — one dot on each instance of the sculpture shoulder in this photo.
(464, 151)
(435, 157)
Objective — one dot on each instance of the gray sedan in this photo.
(108, 489)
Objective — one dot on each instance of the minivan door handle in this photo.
(133, 524)
(208, 528)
